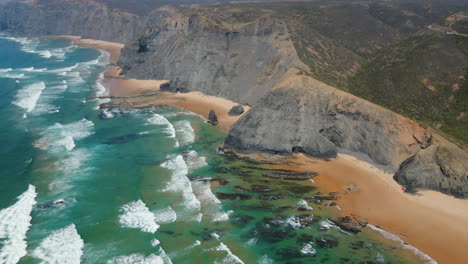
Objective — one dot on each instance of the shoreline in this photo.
(432, 222)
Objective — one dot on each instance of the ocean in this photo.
(83, 185)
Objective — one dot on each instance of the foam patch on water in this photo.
(185, 132)
(265, 260)
(65, 135)
(180, 183)
(137, 215)
(31, 69)
(137, 259)
(14, 223)
(62, 246)
(395, 238)
(165, 216)
(302, 204)
(6, 70)
(308, 250)
(194, 161)
(28, 96)
(230, 258)
(160, 120)
(210, 203)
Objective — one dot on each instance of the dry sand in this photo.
(433, 222)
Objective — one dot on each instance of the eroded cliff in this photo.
(302, 114)
(86, 18)
(238, 60)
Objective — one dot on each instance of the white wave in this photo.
(44, 53)
(27, 96)
(184, 132)
(180, 183)
(137, 215)
(101, 90)
(165, 216)
(31, 69)
(302, 204)
(210, 203)
(14, 223)
(230, 258)
(157, 119)
(74, 77)
(63, 70)
(104, 57)
(65, 135)
(194, 161)
(137, 259)
(6, 70)
(308, 250)
(63, 246)
(12, 75)
(265, 260)
(91, 62)
(404, 245)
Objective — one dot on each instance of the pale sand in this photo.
(433, 222)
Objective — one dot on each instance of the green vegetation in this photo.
(234, 55)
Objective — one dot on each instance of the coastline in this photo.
(432, 222)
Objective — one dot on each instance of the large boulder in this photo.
(236, 110)
(212, 118)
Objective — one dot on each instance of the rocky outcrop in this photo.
(238, 60)
(236, 110)
(86, 18)
(304, 115)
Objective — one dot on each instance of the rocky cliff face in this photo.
(205, 52)
(304, 115)
(85, 18)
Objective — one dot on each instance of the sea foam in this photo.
(230, 258)
(184, 132)
(160, 120)
(137, 215)
(395, 238)
(210, 203)
(14, 223)
(65, 135)
(28, 96)
(137, 259)
(180, 183)
(165, 215)
(63, 246)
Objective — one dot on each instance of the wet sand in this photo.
(432, 222)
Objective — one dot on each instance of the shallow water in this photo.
(83, 185)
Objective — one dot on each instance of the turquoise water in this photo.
(83, 185)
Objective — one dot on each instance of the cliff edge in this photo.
(304, 115)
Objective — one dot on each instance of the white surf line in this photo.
(14, 223)
(210, 203)
(185, 132)
(137, 215)
(157, 119)
(28, 96)
(230, 258)
(137, 259)
(404, 245)
(180, 183)
(63, 246)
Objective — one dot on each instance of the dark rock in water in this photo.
(347, 224)
(361, 221)
(357, 245)
(236, 110)
(270, 197)
(322, 197)
(304, 238)
(242, 220)
(53, 204)
(326, 241)
(121, 139)
(240, 188)
(260, 188)
(289, 254)
(212, 118)
(300, 189)
(233, 196)
(290, 175)
(220, 170)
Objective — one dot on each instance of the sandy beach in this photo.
(430, 221)
(433, 222)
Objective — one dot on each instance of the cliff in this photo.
(239, 58)
(302, 114)
(86, 18)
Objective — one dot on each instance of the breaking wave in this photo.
(160, 120)
(185, 132)
(230, 258)
(65, 135)
(137, 215)
(14, 223)
(62, 246)
(28, 96)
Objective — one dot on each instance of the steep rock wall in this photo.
(85, 18)
(304, 115)
(239, 61)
